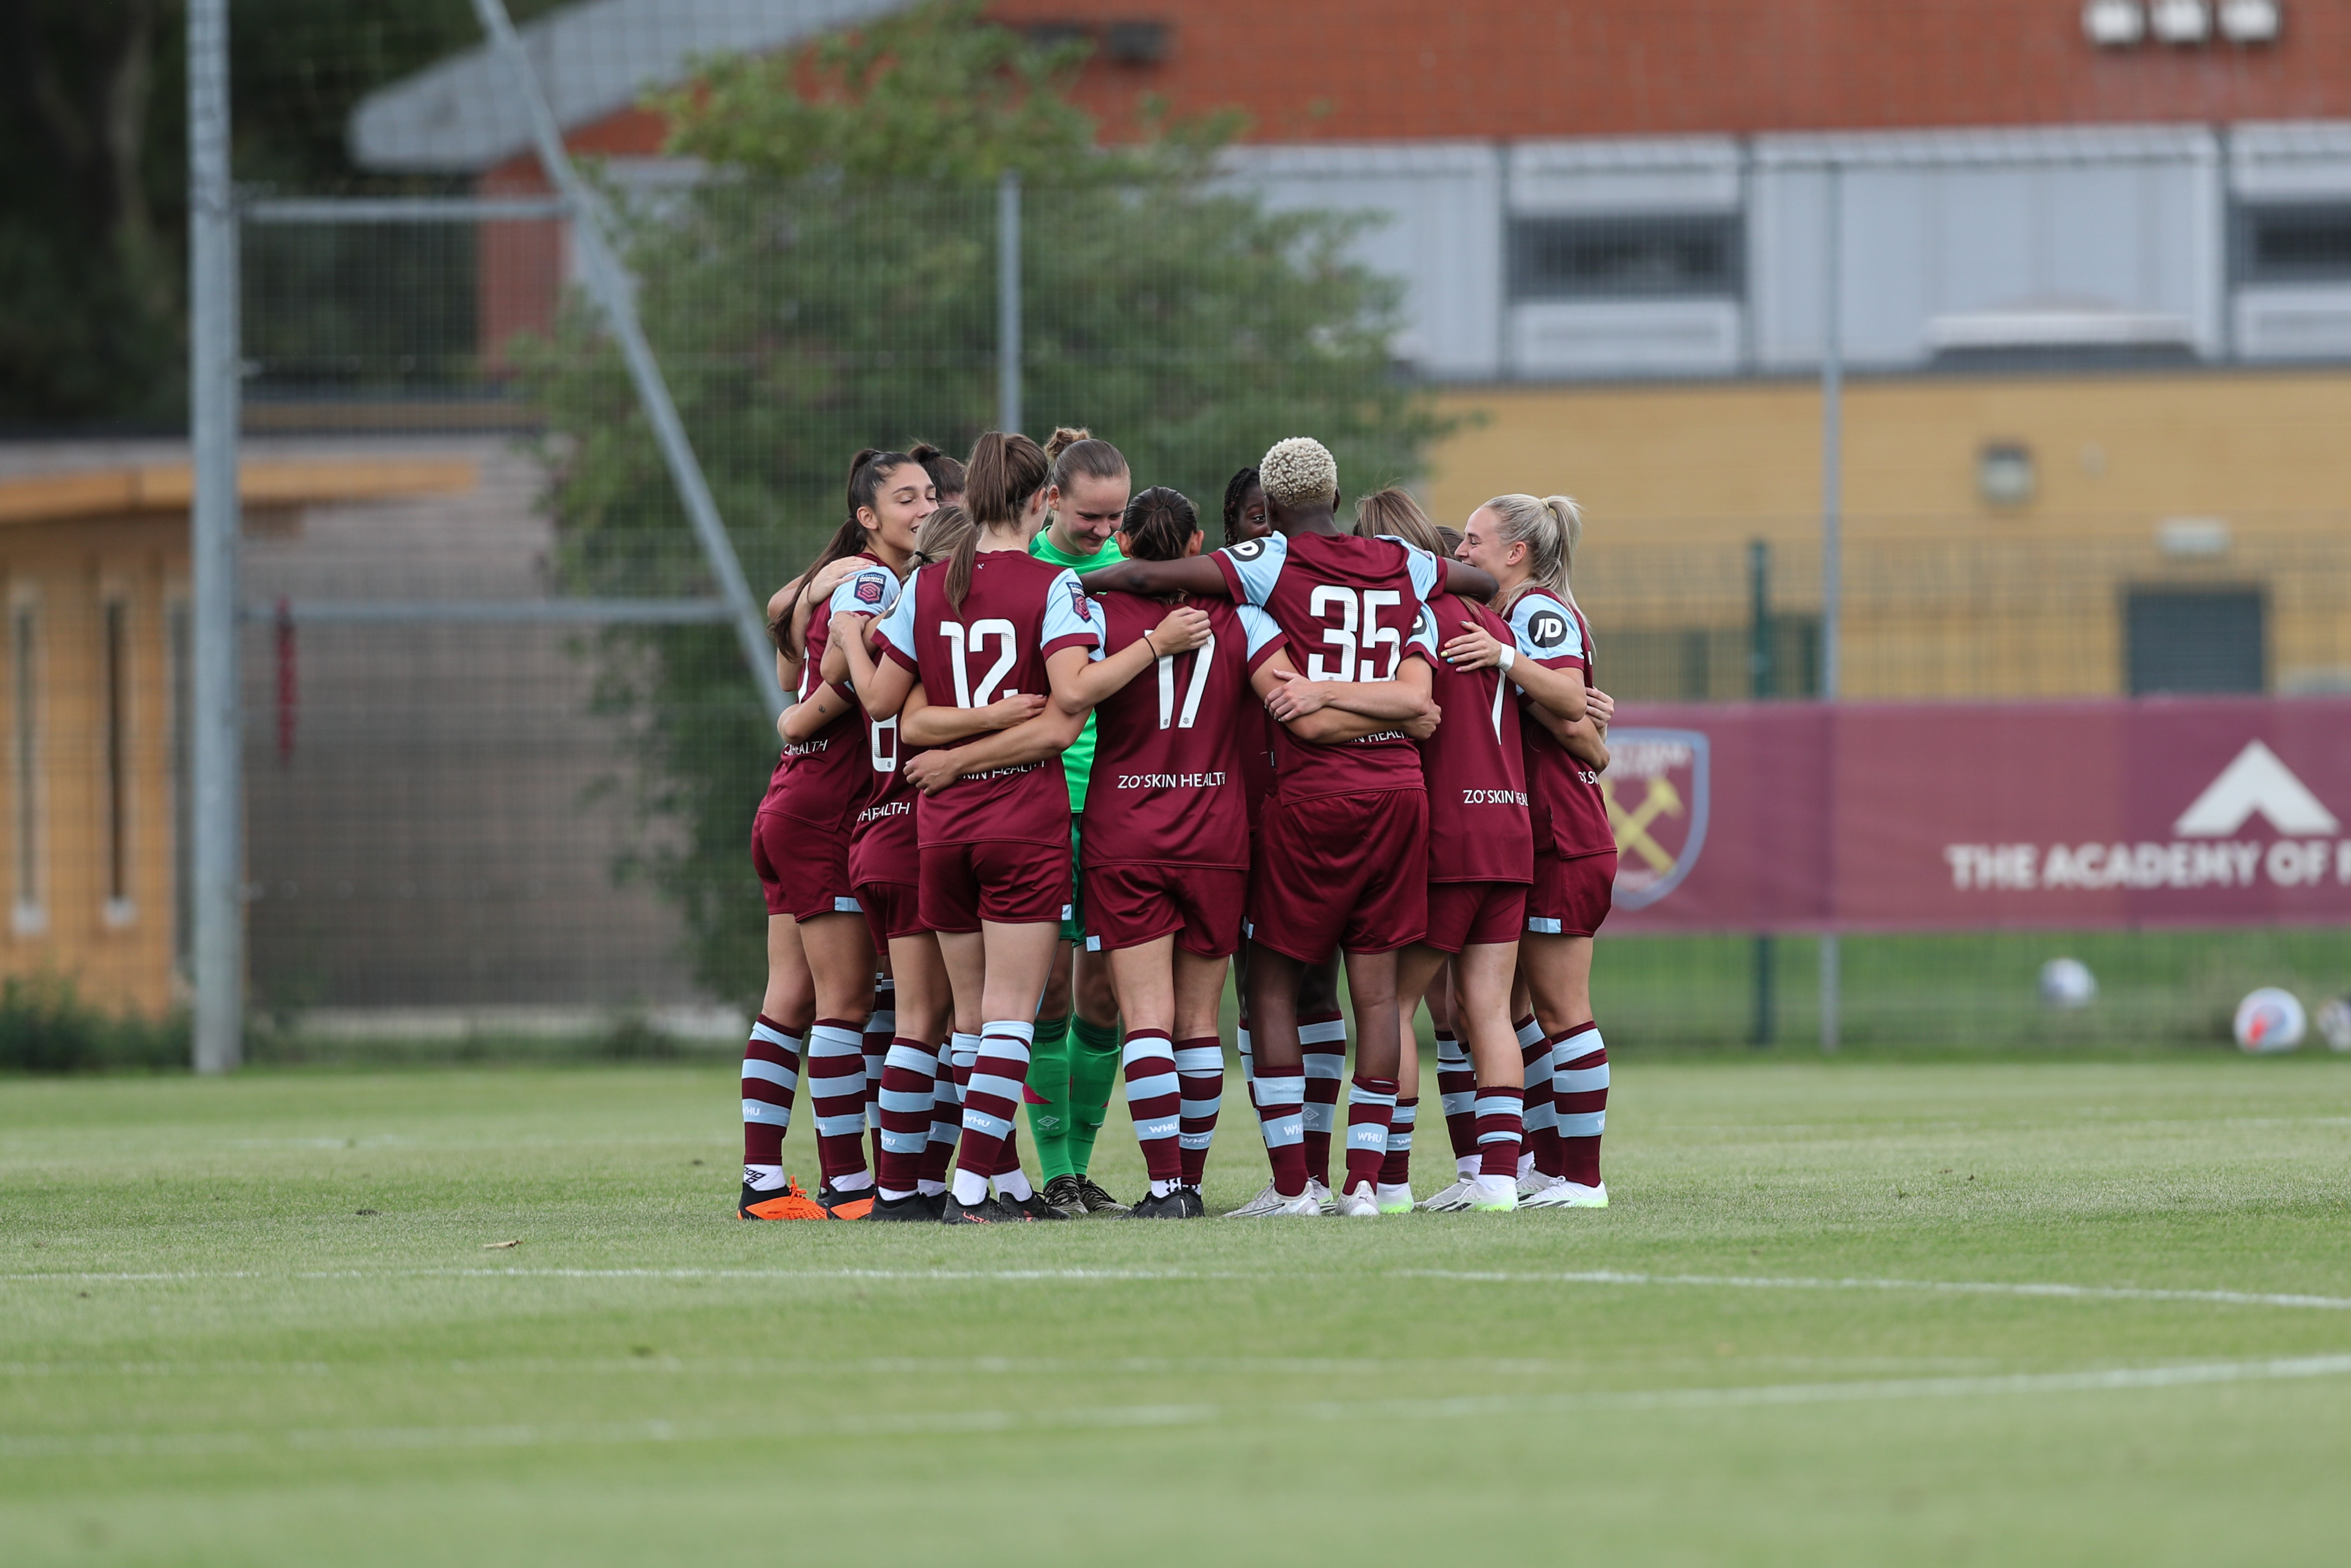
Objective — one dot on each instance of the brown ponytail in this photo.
(1077, 454)
(1003, 472)
(1393, 512)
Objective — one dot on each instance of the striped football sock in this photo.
(881, 1025)
(1457, 1090)
(1153, 1102)
(1542, 1145)
(771, 1076)
(1322, 1044)
(1200, 1081)
(1396, 1169)
(905, 1102)
(836, 1076)
(1371, 1107)
(1499, 1129)
(1580, 1086)
(991, 1098)
(1281, 1099)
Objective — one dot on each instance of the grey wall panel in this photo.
(1440, 232)
(1936, 226)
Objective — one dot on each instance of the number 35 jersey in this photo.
(1019, 611)
(1351, 610)
(1167, 746)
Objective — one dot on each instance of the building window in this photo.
(1631, 256)
(183, 797)
(2195, 640)
(25, 689)
(116, 671)
(2295, 242)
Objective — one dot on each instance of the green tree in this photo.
(831, 285)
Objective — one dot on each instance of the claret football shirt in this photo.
(1017, 610)
(1570, 816)
(1349, 609)
(1475, 763)
(1169, 759)
(827, 784)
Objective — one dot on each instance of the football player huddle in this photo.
(1053, 769)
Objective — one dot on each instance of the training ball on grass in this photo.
(2270, 1019)
(2334, 1023)
(2067, 983)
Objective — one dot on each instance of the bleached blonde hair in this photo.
(1298, 471)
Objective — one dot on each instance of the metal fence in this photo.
(499, 747)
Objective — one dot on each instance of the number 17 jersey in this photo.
(1016, 612)
(1168, 745)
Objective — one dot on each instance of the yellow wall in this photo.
(1945, 594)
(2120, 449)
(119, 953)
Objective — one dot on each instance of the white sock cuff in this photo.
(774, 1036)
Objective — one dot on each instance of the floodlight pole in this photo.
(609, 283)
(1832, 538)
(1008, 300)
(217, 861)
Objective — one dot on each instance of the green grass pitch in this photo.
(1820, 1324)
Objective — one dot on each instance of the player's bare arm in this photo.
(882, 686)
(807, 719)
(1292, 696)
(928, 724)
(1468, 581)
(1046, 735)
(1561, 691)
(1080, 682)
(1197, 575)
(1334, 724)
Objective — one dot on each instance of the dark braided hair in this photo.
(1236, 489)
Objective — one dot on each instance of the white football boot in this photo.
(1302, 1207)
(1493, 1195)
(1359, 1204)
(1563, 1194)
(1396, 1199)
(1531, 1181)
(1451, 1199)
(1266, 1203)
(1320, 1194)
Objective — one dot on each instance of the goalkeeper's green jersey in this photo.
(1078, 761)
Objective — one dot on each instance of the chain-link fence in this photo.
(500, 748)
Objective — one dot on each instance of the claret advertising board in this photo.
(1923, 817)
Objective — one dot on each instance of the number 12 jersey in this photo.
(1018, 611)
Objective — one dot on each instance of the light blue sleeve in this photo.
(1427, 571)
(1544, 628)
(1260, 627)
(868, 591)
(1098, 653)
(898, 626)
(1424, 634)
(1069, 613)
(1256, 565)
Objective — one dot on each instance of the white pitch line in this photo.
(1938, 1286)
(954, 1423)
(2030, 1289)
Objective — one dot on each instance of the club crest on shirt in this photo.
(1547, 628)
(868, 591)
(1248, 550)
